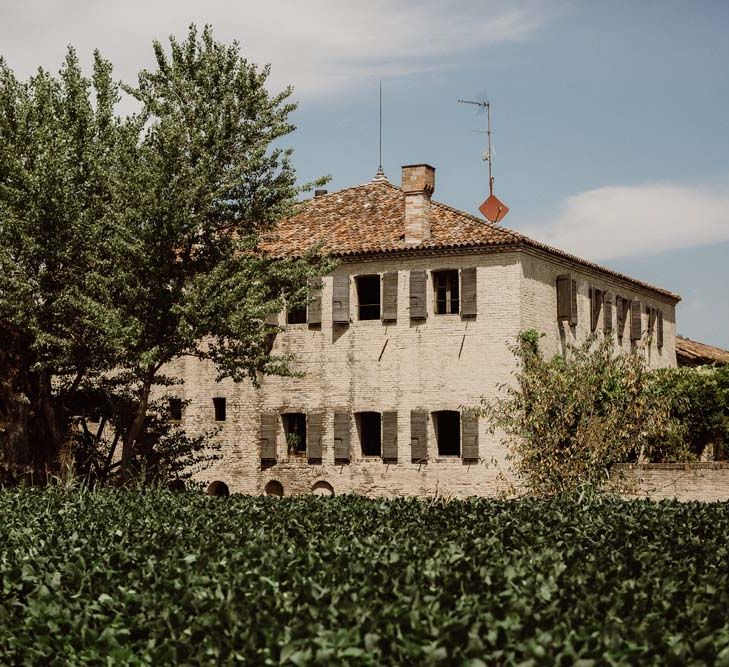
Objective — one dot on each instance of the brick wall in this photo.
(706, 481)
(443, 363)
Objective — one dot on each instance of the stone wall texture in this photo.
(706, 481)
(444, 362)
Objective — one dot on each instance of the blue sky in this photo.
(611, 119)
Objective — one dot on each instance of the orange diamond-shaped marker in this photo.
(493, 209)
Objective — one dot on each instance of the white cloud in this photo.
(640, 220)
(318, 45)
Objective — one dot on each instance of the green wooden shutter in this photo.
(659, 329)
(389, 297)
(314, 421)
(313, 316)
(635, 320)
(418, 436)
(341, 436)
(417, 295)
(469, 293)
(340, 299)
(269, 422)
(389, 436)
(564, 286)
(573, 303)
(469, 435)
(607, 318)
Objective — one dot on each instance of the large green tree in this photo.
(57, 250)
(206, 181)
(129, 242)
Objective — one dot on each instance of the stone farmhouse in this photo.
(412, 328)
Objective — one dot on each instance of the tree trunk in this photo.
(130, 438)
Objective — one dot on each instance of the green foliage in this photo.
(126, 242)
(567, 420)
(156, 578)
(699, 401)
(165, 451)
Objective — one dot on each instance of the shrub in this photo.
(567, 420)
(699, 401)
(124, 578)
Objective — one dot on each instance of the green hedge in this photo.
(156, 578)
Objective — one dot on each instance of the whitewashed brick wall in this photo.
(444, 362)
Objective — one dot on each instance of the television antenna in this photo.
(492, 208)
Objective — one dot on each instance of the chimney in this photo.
(418, 183)
(319, 193)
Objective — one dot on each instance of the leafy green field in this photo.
(131, 578)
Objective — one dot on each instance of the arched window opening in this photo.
(218, 489)
(274, 488)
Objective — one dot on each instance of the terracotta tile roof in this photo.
(692, 353)
(369, 219)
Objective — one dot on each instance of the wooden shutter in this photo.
(469, 435)
(469, 296)
(635, 320)
(622, 314)
(314, 422)
(389, 297)
(389, 436)
(268, 436)
(564, 287)
(573, 303)
(313, 316)
(651, 320)
(607, 318)
(417, 295)
(418, 436)
(340, 299)
(659, 329)
(341, 436)
(596, 297)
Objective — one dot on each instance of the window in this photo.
(294, 425)
(368, 297)
(175, 406)
(369, 425)
(445, 284)
(219, 405)
(296, 316)
(448, 432)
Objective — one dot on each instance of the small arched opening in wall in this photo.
(176, 485)
(274, 488)
(218, 489)
(322, 488)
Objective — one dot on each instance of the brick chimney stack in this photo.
(418, 183)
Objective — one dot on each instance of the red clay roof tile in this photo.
(369, 219)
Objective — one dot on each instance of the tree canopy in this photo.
(127, 241)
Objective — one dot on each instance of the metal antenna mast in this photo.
(380, 175)
(380, 160)
(488, 156)
(493, 209)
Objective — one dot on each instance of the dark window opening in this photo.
(368, 297)
(445, 284)
(218, 489)
(220, 411)
(296, 316)
(175, 406)
(294, 425)
(369, 425)
(448, 432)
(274, 488)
